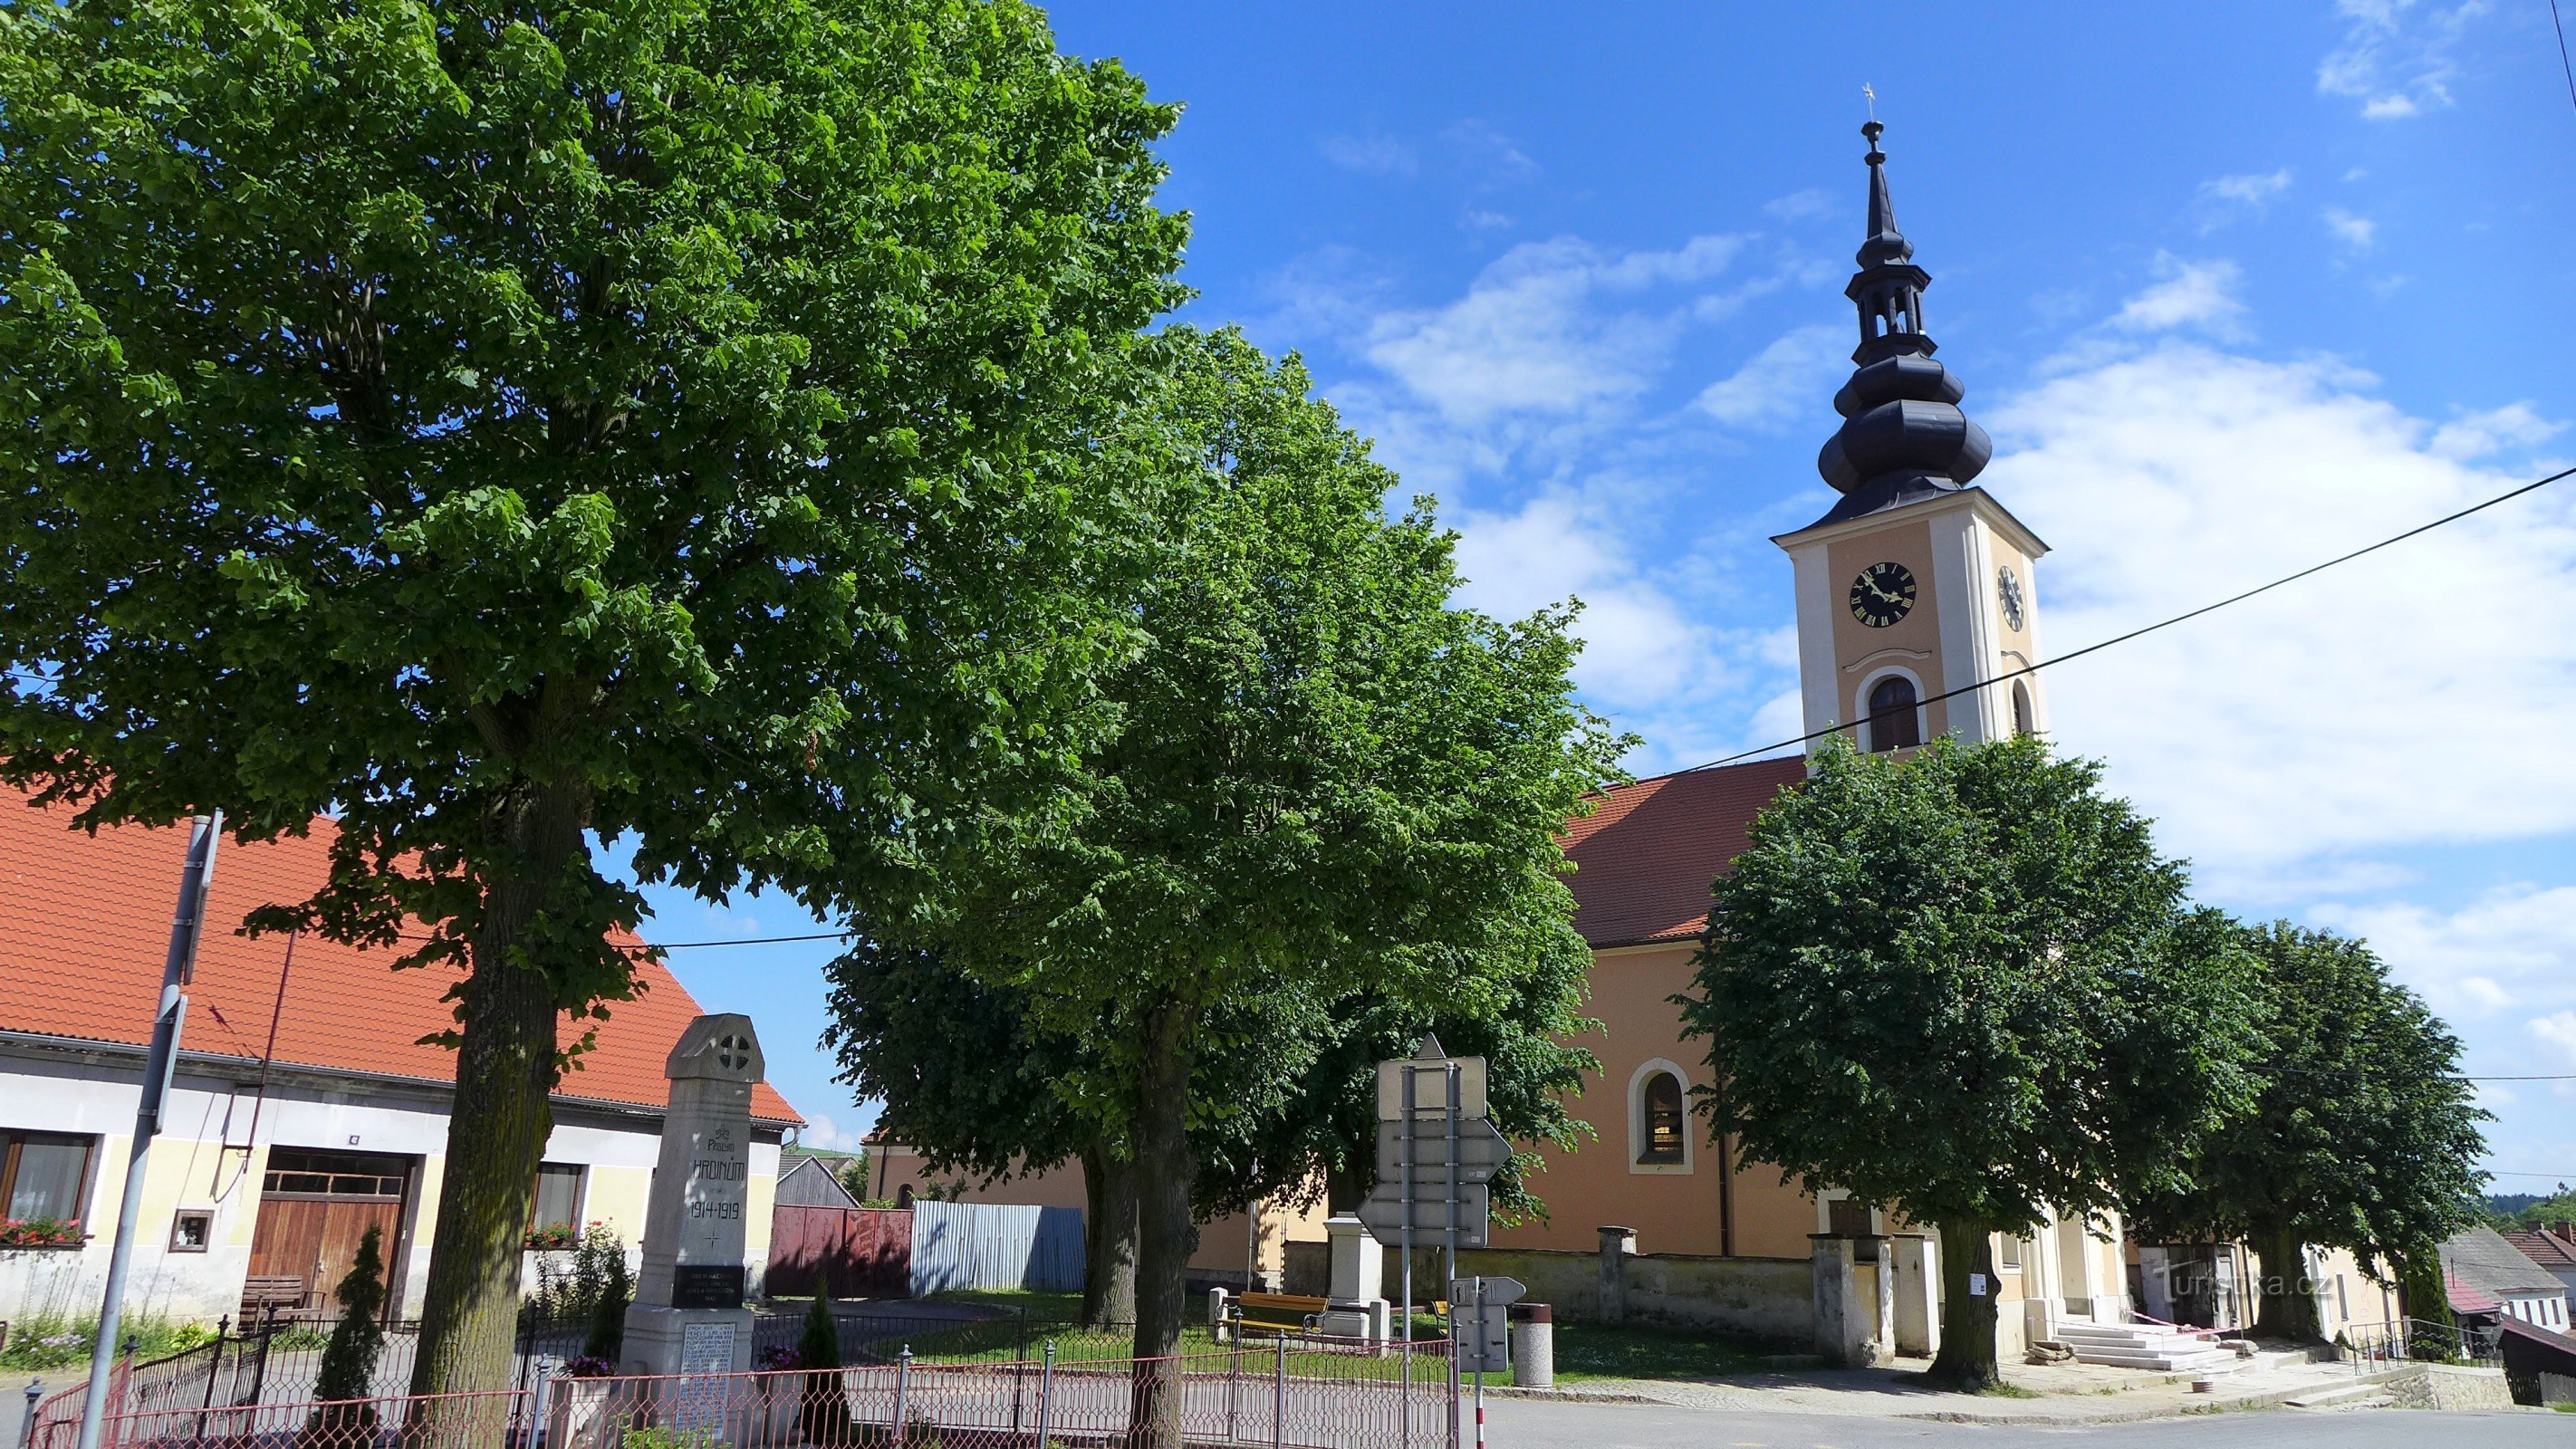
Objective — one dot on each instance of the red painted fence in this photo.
(866, 1252)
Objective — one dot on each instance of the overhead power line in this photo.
(2143, 630)
(2558, 28)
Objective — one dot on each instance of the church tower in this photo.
(1914, 583)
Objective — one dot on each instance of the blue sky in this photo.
(2234, 287)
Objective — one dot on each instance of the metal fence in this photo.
(871, 1335)
(278, 1362)
(1303, 1395)
(1300, 1395)
(500, 1418)
(968, 1245)
(2369, 1346)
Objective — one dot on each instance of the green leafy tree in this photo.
(1326, 778)
(1963, 984)
(2362, 1135)
(509, 428)
(606, 1338)
(346, 1384)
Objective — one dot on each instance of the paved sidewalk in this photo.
(1526, 1424)
(2061, 1394)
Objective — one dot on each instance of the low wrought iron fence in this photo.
(872, 1335)
(2370, 1346)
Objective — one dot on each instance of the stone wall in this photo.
(2444, 1386)
(1766, 1298)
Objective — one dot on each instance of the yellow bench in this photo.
(1278, 1312)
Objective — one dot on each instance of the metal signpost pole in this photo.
(1480, 1363)
(1405, 1161)
(1449, 1155)
(178, 966)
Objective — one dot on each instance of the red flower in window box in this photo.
(41, 1233)
(554, 1239)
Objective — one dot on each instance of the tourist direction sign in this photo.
(1431, 1071)
(1384, 1211)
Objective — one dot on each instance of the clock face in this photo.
(1882, 594)
(2008, 589)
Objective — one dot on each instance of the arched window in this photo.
(2022, 724)
(1659, 1110)
(1892, 723)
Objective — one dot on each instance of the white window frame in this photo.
(1861, 712)
(1637, 1122)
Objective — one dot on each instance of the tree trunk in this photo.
(2285, 1302)
(1165, 1236)
(1109, 1239)
(505, 1073)
(1967, 1356)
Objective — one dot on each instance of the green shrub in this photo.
(57, 1340)
(346, 1383)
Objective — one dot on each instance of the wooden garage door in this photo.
(314, 1207)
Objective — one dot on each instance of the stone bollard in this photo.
(1617, 1245)
(1533, 1346)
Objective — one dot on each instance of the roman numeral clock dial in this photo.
(1882, 594)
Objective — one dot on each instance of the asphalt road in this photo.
(1529, 1424)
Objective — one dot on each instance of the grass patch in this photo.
(2009, 1391)
(54, 1341)
(1594, 1351)
(1040, 1303)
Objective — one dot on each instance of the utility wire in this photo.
(2559, 28)
(2504, 497)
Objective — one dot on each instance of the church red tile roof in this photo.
(85, 923)
(1644, 859)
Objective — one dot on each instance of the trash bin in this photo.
(1533, 1346)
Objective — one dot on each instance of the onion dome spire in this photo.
(1903, 437)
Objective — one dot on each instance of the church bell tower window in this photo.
(1893, 724)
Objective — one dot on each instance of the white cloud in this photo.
(2402, 699)
(2356, 233)
(1640, 646)
(1488, 156)
(1374, 155)
(1542, 331)
(2559, 1030)
(1789, 380)
(2396, 57)
(823, 1134)
(1801, 206)
(2475, 435)
(2222, 199)
(2511, 949)
(2199, 295)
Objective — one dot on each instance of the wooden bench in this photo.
(1278, 1312)
(260, 1294)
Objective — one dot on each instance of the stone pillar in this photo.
(1357, 1290)
(688, 1315)
(1359, 1263)
(1881, 1307)
(1617, 1246)
(1917, 1261)
(1842, 1332)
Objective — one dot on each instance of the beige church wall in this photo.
(1917, 635)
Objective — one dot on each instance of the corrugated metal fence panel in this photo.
(994, 1245)
(865, 1252)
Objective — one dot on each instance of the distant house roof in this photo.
(2482, 1259)
(1645, 857)
(2465, 1299)
(2543, 1247)
(812, 1182)
(85, 922)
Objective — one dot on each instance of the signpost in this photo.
(1484, 1340)
(1435, 1155)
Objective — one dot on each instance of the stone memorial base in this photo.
(686, 1341)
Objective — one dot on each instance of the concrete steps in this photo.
(2142, 1346)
